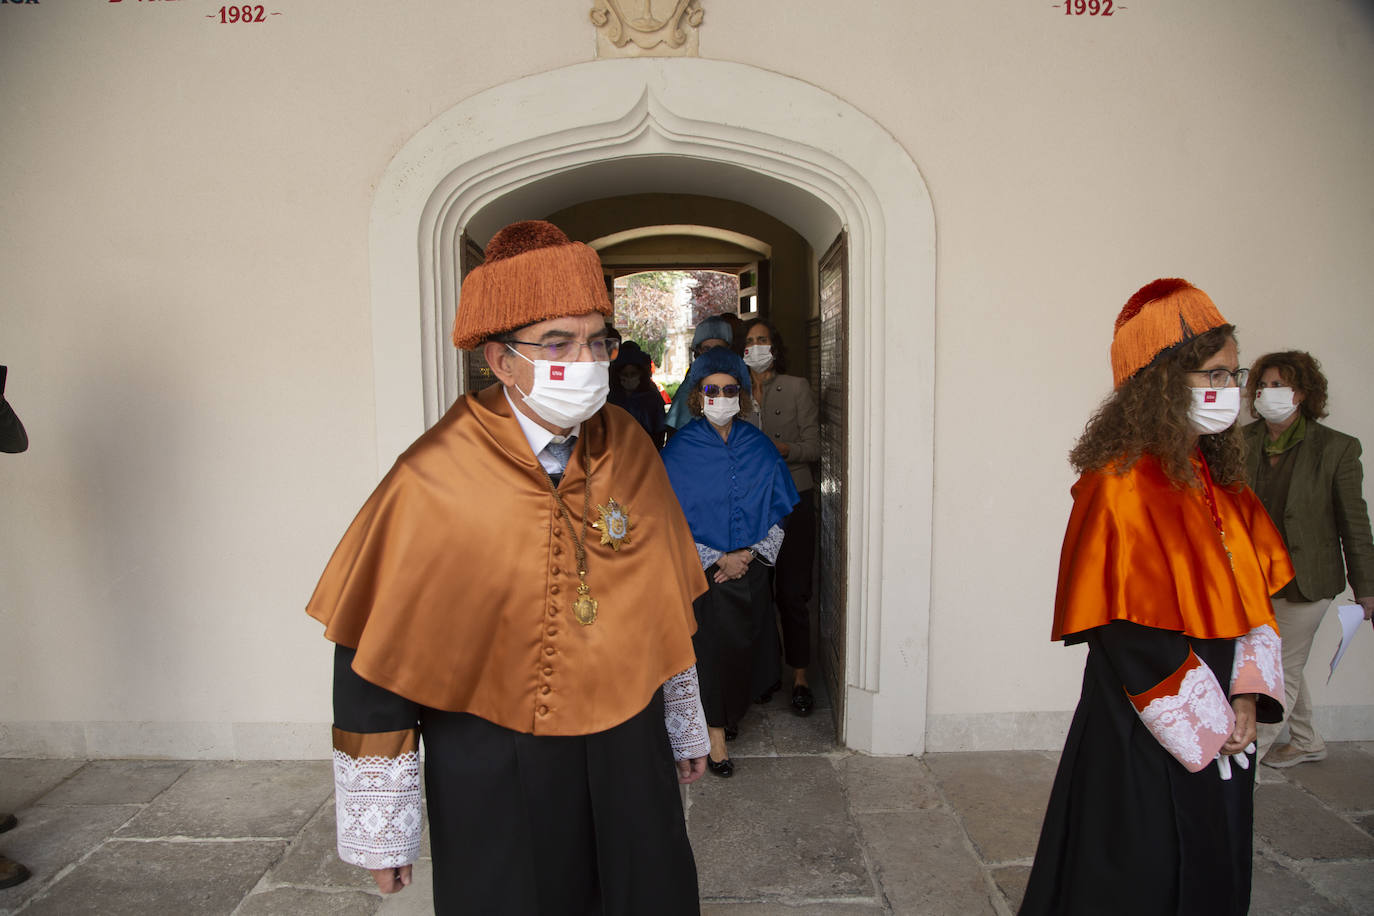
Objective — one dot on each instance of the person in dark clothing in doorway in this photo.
(13, 439)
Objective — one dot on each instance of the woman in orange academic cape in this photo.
(1166, 571)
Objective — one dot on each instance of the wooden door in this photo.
(476, 373)
(829, 373)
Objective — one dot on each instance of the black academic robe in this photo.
(528, 825)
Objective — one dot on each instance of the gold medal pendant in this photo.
(584, 608)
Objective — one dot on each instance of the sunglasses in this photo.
(720, 391)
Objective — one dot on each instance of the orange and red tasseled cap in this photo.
(532, 272)
(1161, 315)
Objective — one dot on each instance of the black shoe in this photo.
(724, 769)
(12, 873)
(802, 700)
(731, 733)
(768, 694)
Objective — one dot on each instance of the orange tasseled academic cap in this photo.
(532, 272)
(1161, 314)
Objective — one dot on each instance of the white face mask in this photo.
(1275, 404)
(758, 357)
(565, 394)
(720, 410)
(1213, 409)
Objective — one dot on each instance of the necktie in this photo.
(560, 452)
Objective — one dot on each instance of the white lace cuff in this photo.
(1188, 714)
(768, 548)
(377, 802)
(1258, 667)
(707, 555)
(683, 716)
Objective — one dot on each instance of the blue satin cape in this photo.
(731, 492)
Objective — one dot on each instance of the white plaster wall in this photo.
(1070, 161)
(185, 308)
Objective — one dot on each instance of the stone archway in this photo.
(806, 156)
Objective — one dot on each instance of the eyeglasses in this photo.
(1218, 378)
(566, 350)
(720, 391)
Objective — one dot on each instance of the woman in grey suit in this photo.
(785, 410)
(1309, 478)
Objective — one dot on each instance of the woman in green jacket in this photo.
(1309, 478)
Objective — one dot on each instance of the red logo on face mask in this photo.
(555, 373)
(711, 401)
(1208, 398)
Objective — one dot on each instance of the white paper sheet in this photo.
(1351, 616)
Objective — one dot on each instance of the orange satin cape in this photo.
(455, 582)
(1139, 548)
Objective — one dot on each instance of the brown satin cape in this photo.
(1138, 548)
(456, 580)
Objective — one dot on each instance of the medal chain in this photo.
(579, 543)
(1209, 494)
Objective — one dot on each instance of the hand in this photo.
(391, 880)
(1368, 605)
(732, 565)
(689, 771)
(783, 448)
(1244, 732)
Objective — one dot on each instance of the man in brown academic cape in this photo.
(517, 592)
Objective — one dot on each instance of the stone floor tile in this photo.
(923, 863)
(887, 784)
(1296, 825)
(131, 878)
(794, 735)
(415, 900)
(295, 901)
(755, 735)
(1351, 883)
(313, 859)
(1000, 797)
(801, 909)
(1011, 881)
(24, 780)
(1276, 890)
(1344, 780)
(47, 840)
(777, 830)
(238, 799)
(117, 782)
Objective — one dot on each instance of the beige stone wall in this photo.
(185, 307)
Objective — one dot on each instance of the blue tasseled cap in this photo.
(720, 359)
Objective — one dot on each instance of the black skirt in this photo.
(556, 826)
(733, 618)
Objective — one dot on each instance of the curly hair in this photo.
(1148, 415)
(775, 340)
(1299, 371)
(695, 403)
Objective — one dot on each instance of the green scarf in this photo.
(1288, 438)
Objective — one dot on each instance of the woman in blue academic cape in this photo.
(735, 489)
